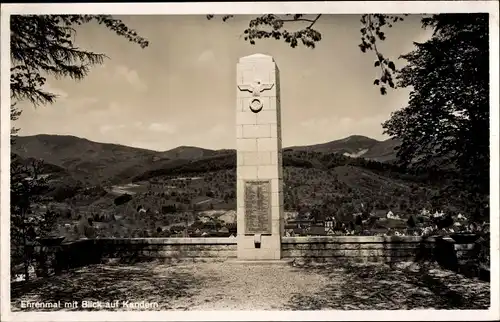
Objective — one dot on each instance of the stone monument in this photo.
(259, 160)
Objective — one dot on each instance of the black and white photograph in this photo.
(191, 159)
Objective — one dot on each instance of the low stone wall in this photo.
(360, 249)
(309, 249)
(129, 250)
(168, 249)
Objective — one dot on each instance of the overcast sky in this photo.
(181, 89)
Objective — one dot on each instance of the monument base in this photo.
(258, 247)
(260, 261)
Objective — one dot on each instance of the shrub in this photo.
(411, 222)
(169, 209)
(123, 199)
(64, 192)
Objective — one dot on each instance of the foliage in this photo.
(123, 199)
(168, 209)
(446, 122)
(276, 29)
(279, 27)
(15, 113)
(62, 193)
(87, 228)
(411, 222)
(373, 25)
(42, 45)
(28, 186)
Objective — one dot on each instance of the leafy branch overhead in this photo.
(278, 27)
(371, 32)
(43, 45)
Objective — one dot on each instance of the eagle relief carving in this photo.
(255, 88)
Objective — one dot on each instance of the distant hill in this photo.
(356, 146)
(104, 163)
(88, 161)
(188, 153)
(47, 168)
(351, 144)
(61, 149)
(384, 151)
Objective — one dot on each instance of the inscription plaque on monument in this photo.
(258, 207)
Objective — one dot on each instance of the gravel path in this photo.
(235, 286)
(249, 287)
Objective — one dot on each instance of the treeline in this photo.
(300, 159)
(209, 164)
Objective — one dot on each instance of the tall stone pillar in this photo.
(259, 159)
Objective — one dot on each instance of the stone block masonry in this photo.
(356, 249)
(360, 249)
(259, 163)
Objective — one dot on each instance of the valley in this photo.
(131, 192)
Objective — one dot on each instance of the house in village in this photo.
(316, 231)
(329, 225)
(290, 230)
(294, 230)
(301, 223)
(224, 230)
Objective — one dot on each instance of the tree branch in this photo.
(374, 43)
(314, 21)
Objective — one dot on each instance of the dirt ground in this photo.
(231, 286)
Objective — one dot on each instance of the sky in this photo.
(180, 91)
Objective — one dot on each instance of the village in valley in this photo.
(204, 205)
